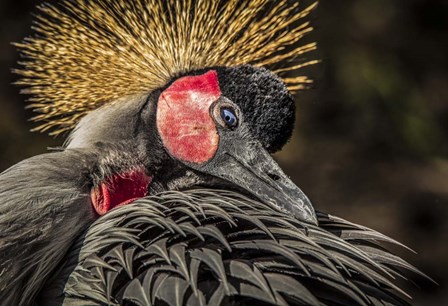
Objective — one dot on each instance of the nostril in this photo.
(274, 177)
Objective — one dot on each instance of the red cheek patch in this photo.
(183, 118)
(119, 190)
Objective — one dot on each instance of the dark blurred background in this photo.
(371, 143)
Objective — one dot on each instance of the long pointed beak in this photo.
(250, 167)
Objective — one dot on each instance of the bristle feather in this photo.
(88, 53)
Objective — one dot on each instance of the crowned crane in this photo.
(167, 98)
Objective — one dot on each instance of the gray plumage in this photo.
(45, 204)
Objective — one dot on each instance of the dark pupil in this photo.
(229, 117)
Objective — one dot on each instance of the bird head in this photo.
(174, 94)
(211, 127)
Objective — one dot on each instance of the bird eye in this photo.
(229, 117)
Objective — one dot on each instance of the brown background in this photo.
(371, 139)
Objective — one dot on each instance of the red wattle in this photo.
(121, 189)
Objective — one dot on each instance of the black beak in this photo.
(248, 166)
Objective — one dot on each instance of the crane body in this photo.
(165, 191)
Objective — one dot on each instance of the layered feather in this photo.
(210, 247)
